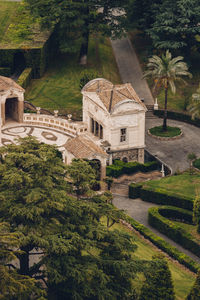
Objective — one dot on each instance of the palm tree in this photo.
(194, 106)
(165, 70)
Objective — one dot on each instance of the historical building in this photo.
(115, 116)
(113, 125)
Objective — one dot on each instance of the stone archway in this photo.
(12, 110)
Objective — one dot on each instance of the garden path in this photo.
(138, 210)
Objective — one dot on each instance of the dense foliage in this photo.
(170, 24)
(77, 255)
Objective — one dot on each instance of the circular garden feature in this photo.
(171, 132)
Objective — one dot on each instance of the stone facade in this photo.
(115, 116)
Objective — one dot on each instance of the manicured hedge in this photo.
(160, 196)
(170, 229)
(165, 246)
(178, 116)
(25, 78)
(119, 168)
(196, 163)
(5, 72)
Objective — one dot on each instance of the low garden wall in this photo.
(70, 128)
(177, 116)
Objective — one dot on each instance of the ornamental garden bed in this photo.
(170, 134)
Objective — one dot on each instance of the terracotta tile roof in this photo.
(82, 147)
(7, 83)
(111, 94)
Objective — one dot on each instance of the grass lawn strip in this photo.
(171, 131)
(59, 87)
(183, 279)
(182, 185)
(18, 29)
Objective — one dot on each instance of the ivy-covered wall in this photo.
(35, 58)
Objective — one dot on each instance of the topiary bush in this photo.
(161, 196)
(196, 163)
(170, 229)
(119, 168)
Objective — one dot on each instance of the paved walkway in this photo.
(174, 153)
(129, 68)
(138, 210)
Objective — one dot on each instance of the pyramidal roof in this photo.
(8, 83)
(111, 94)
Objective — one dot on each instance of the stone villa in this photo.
(113, 123)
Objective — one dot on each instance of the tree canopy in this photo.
(170, 24)
(75, 20)
(77, 252)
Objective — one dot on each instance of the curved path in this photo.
(138, 210)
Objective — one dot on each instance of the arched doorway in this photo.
(12, 109)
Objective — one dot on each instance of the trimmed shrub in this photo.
(165, 246)
(25, 78)
(160, 196)
(134, 190)
(119, 168)
(5, 72)
(196, 163)
(178, 116)
(173, 231)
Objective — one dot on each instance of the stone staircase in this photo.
(149, 113)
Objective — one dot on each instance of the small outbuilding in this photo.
(11, 100)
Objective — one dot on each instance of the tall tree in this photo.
(175, 25)
(32, 193)
(158, 283)
(12, 284)
(78, 256)
(76, 19)
(195, 291)
(165, 70)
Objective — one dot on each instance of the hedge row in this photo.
(159, 196)
(119, 168)
(25, 78)
(178, 116)
(170, 229)
(165, 246)
(5, 72)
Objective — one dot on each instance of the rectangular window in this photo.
(123, 135)
(101, 132)
(92, 125)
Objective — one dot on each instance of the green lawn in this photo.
(59, 87)
(183, 184)
(7, 11)
(180, 100)
(192, 229)
(17, 27)
(170, 132)
(182, 278)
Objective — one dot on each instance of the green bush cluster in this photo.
(196, 163)
(119, 168)
(5, 72)
(25, 78)
(165, 246)
(178, 116)
(160, 196)
(172, 230)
